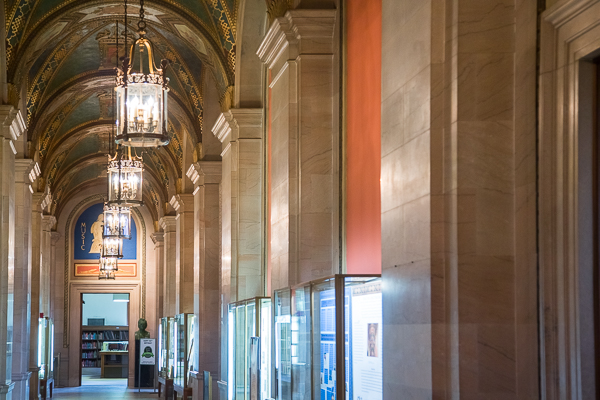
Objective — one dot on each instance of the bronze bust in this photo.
(142, 333)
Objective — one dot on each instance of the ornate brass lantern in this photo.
(141, 95)
(125, 180)
(117, 222)
(112, 248)
(108, 268)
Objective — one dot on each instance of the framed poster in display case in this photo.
(330, 332)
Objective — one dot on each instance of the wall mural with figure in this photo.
(87, 244)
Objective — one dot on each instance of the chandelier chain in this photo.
(142, 22)
(126, 50)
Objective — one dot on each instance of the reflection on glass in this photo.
(45, 348)
(283, 345)
(184, 347)
(164, 346)
(265, 349)
(245, 323)
(329, 339)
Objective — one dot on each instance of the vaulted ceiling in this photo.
(61, 56)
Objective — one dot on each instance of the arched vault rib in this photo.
(169, 7)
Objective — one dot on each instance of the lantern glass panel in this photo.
(117, 222)
(112, 247)
(125, 183)
(142, 111)
(108, 264)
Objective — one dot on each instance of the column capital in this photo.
(168, 223)
(42, 199)
(158, 238)
(182, 202)
(237, 123)
(302, 31)
(203, 172)
(26, 170)
(48, 222)
(12, 122)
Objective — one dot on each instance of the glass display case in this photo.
(247, 319)
(165, 352)
(45, 348)
(184, 346)
(329, 339)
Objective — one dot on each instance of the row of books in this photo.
(89, 354)
(105, 335)
(90, 363)
(88, 345)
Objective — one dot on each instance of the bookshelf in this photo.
(92, 338)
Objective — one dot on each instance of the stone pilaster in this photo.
(299, 51)
(158, 238)
(169, 226)
(206, 176)
(48, 222)
(25, 174)
(184, 277)
(12, 127)
(458, 197)
(39, 202)
(241, 132)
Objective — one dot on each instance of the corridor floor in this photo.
(96, 388)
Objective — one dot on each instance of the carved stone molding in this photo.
(24, 170)
(569, 39)
(300, 32)
(168, 223)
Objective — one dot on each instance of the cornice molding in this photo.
(25, 171)
(158, 238)
(168, 223)
(182, 203)
(565, 10)
(303, 31)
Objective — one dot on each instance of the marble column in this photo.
(159, 248)
(48, 222)
(24, 175)
(299, 51)
(169, 226)
(39, 202)
(241, 132)
(12, 126)
(458, 200)
(184, 276)
(206, 176)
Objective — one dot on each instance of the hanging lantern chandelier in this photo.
(108, 268)
(141, 90)
(117, 222)
(125, 178)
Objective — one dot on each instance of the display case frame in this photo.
(185, 325)
(255, 314)
(311, 358)
(166, 357)
(45, 355)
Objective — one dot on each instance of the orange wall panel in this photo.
(363, 136)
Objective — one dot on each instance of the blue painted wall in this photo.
(83, 239)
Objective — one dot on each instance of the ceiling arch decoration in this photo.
(213, 21)
(62, 54)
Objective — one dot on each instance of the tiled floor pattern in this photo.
(95, 388)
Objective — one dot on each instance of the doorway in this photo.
(104, 355)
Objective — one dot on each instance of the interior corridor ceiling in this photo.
(61, 59)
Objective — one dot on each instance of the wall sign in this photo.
(147, 356)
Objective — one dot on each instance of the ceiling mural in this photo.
(62, 54)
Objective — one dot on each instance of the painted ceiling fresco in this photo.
(62, 54)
